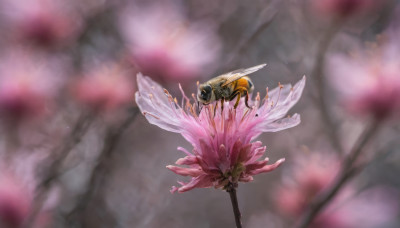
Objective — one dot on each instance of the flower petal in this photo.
(267, 168)
(256, 165)
(282, 124)
(156, 106)
(246, 178)
(193, 172)
(273, 110)
(202, 181)
(188, 160)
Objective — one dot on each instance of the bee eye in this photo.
(206, 93)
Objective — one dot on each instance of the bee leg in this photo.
(237, 100)
(199, 108)
(234, 94)
(222, 104)
(246, 99)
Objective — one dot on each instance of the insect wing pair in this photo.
(228, 86)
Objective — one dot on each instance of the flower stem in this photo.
(232, 193)
(346, 173)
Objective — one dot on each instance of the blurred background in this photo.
(75, 151)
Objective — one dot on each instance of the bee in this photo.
(228, 86)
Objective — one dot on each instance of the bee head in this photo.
(204, 94)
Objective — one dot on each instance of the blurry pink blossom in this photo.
(166, 46)
(104, 88)
(344, 8)
(41, 22)
(309, 176)
(224, 152)
(373, 207)
(17, 187)
(306, 179)
(27, 84)
(15, 202)
(369, 82)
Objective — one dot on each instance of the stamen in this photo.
(257, 100)
(291, 91)
(265, 99)
(244, 115)
(150, 114)
(183, 94)
(193, 111)
(170, 99)
(215, 108)
(279, 95)
(210, 118)
(154, 102)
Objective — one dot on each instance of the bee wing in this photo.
(237, 74)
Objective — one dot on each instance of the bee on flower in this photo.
(224, 151)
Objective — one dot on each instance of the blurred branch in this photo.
(53, 171)
(100, 171)
(385, 17)
(265, 18)
(320, 84)
(102, 20)
(347, 171)
(381, 154)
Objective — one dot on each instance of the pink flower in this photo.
(344, 8)
(307, 178)
(374, 207)
(15, 202)
(310, 175)
(41, 22)
(105, 88)
(223, 148)
(17, 190)
(369, 82)
(27, 85)
(165, 45)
